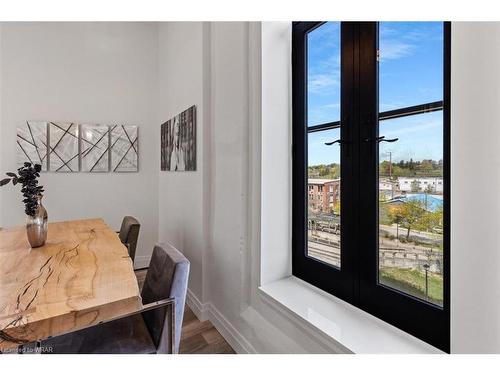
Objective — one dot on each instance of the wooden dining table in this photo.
(82, 275)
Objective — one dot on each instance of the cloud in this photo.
(318, 82)
(386, 106)
(323, 113)
(392, 49)
(331, 106)
(386, 31)
(418, 127)
(401, 39)
(325, 37)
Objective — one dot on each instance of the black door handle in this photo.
(388, 140)
(381, 139)
(346, 141)
(332, 143)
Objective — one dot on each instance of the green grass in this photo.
(412, 281)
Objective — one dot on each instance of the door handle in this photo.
(388, 140)
(333, 142)
(381, 139)
(339, 141)
(346, 141)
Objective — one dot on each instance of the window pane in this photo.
(323, 74)
(411, 206)
(323, 197)
(411, 64)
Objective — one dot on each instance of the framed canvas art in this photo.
(178, 142)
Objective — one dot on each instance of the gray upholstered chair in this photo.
(149, 330)
(129, 234)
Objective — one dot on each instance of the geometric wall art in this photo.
(63, 153)
(32, 143)
(124, 148)
(70, 147)
(178, 142)
(94, 146)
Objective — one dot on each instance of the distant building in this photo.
(388, 188)
(431, 184)
(385, 185)
(323, 194)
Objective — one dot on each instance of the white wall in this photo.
(475, 186)
(218, 223)
(92, 72)
(276, 173)
(181, 212)
(207, 213)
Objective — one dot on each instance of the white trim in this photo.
(336, 323)
(207, 311)
(317, 334)
(239, 343)
(197, 307)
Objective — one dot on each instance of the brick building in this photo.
(323, 194)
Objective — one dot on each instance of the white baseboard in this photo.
(197, 307)
(207, 311)
(239, 343)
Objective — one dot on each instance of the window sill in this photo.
(334, 320)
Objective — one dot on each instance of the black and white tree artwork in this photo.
(63, 152)
(32, 143)
(124, 148)
(178, 142)
(94, 148)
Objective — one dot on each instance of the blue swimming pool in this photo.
(431, 202)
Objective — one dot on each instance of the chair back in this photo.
(129, 234)
(167, 277)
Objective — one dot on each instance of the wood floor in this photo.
(197, 337)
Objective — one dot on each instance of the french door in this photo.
(371, 168)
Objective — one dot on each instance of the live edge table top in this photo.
(81, 276)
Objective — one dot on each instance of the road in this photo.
(326, 247)
(393, 229)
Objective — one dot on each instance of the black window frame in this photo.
(356, 281)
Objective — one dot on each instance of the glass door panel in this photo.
(323, 138)
(410, 159)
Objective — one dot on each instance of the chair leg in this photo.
(171, 313)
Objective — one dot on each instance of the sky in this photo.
(410, 73)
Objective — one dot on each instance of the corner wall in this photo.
(213, 215)
(104, 73)
(181, 85)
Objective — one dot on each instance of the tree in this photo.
(324, 171)
(336, 207)
(437, 219)
(408, 214)
(384, 168)
(394, 214)
(411, 165)
(415, 186)
(426, 167)
(426, 222)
